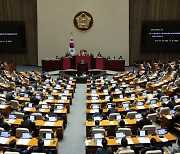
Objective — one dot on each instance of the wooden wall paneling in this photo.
(22, 10)
(142, 10)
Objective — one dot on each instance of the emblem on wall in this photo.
(83, 21)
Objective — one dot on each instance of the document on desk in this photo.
(27, 109)
(140, 107)
(95, 101)
(125, 121)
(144, 139)
(155, 105)
(88, 142)
(47, 142)
(23, 141)
(94, 110)
(118, 141)
(163, 139)
(11, 121)
(42, 110)
(130, 141)
(22, 98)
(111, 122)
(60, 101)
(169, 116)
(49, 123)
(99, 142)
(2, 106)
(58, 111)
(94, 94)
(4, 140)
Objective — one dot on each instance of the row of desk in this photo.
(93, 63)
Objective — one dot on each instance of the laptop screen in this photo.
(95, 106)
(5, 134)
(53, 119)
(60, 107)
(128, 89)
(32, 118)
(12, 116)
(162, 131)
(175, 97)
(38, 96)
(132, 95)
(4, 92)
(142, 133)
(97, 118)
(118, 117)
(26, 95)
(26, 135)
(126, 105)
(172, 111)
(123, 83)
(121, 96)
(98, 135)
(137, 87)
(140, 103)
(3, 103)
(138, 116)
(154, 91)
(164, 100)
(45, 106)
(48, 136)
(120, 135)
(30, 105)
(153, 101)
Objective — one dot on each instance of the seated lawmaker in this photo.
(26, 123)
(105, 149)
(124, 146)
(112, 109)
(40, 148)
(144, 121)
(99, 114)
(153, 146)
(13, 148)
(3, 124)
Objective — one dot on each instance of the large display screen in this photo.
(12, 36)
(160, 36)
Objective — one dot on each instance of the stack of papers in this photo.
(42, 110)
(169, 117)
(49, 123)
(118, 141)
(112, 122)
(47, 142)
(4, 140)
(144, 139)
(99, 142)
(140, 107)
(94, 110)
(95, 101)
(88, 142)
(130, 141)
(2, 106)
(163, 139)
(11, 121)
(27, 109)
(23, 141)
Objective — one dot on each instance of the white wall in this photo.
(109, 33)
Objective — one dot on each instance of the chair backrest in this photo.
(112, 116)
(152, 116)
(131, 114)
(98, 130)
(19, 131)
(162, 97)
(154, 152)
(126, 131)
(19, 115)
(148, 84)
(164, 110)
(170, 85)
(14, 104)
(38, 116)
(9, 152)
(42, 131)
(151, 129)
(176, 107)
(127, 152)
(1, 129)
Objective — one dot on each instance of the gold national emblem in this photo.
(83, 21)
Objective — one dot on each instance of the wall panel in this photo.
(22, 10)
(141, 10)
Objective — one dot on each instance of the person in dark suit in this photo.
(13, 148)
(153, 146)
(105, 149)
(99, 114)
(26, 123)
(176, 117)
(144, 121)
(171, 103)
(9, 96)
(40, 148)
(34, 100)
(3, 124)
(121, 124)
(112, 109)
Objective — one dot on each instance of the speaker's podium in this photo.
(82, 68)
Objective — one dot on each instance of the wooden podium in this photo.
(82, 68)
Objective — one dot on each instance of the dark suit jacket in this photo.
(171, 104)
(5, 125)
(38, 149)
(104, 150)
(15, 150)
(34, 100)
(143, 122)
(176, 118)
(28, 124)
(9, 97)
(149, 148)
(112, 110)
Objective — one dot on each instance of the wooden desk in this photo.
(91, 147)
(5, 109)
